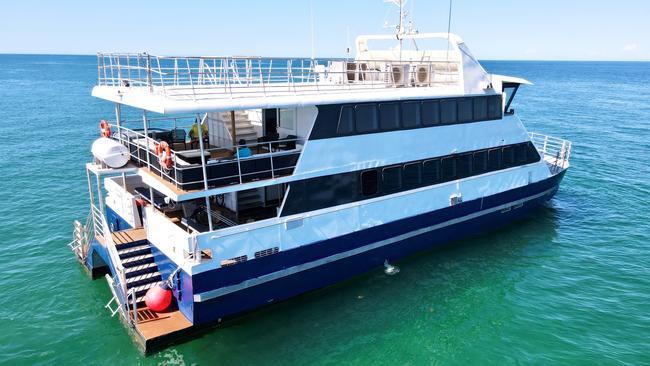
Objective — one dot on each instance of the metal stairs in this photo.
(140, 269)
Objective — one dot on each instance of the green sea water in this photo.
(569, 285)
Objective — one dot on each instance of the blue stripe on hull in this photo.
(321, 276)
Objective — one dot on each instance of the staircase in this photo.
(140, 269)
(243, 126)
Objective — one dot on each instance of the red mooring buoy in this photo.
(159, 297)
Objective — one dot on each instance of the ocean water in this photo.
(570, 285)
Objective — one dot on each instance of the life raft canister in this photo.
(159, 297)
(164, 155)
(104, 129)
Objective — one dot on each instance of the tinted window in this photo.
(494, 107)
(521, 154)
(480, 108)
(465, 110)
(366, 118)
(412, 174)
(494, 159)
(392, 178)
(389, 116)
(369, 182)
(431, 171)
(346, 121)
(508, 156)
(448, 111)
(480, 162)
(430, 113)
(411, 114)
(533, 155)
(464, 165)
(448, 168)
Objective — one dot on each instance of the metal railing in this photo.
(82, 236)
(198, 78)
(138, 144)
(554, 151)
(122, 293)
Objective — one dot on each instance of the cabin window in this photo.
(494, 159)
(520, 154)
(411, 114)
(366, 118)
(412, 174)
(480, 162)
(533, 155)
(465, 110)
(389, 116)
(431, 171)
(448, 111)
(431, 113)
(288, 119)
(448, 168)
(508, 156)
(480, 109)
(369, 182)
(464, 165)
(494, 107)
(346, 121)
(392, 178)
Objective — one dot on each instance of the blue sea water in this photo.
(570, 285)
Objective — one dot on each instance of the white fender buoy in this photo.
(110, 152)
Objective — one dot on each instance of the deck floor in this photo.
(152, 325)
(129, 236)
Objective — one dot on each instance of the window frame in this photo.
(362, 180)
(393, 169)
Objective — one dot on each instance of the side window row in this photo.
(410, 175)
(390, 116)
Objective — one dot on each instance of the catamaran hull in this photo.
(230, 291)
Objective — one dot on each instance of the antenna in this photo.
(311, 15)
(405, 25)
(449, 29)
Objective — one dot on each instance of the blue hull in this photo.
(243, 300)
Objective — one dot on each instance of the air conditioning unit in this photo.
(400, 74)
(423, 75)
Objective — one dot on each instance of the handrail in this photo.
(135, 148)
(99, 220)
(200, 78)
(555, 151)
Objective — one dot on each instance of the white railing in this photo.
(140, 144)
(554, 151)
(82, 236)
(102, 228)
(227, 77)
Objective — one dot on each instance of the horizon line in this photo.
(307, 57)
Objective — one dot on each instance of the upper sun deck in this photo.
(167, 85)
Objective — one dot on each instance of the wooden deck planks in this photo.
(129, 236)
(153, 325)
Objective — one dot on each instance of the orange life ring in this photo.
(164, 155)
(104, 128)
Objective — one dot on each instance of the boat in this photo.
(250, 180)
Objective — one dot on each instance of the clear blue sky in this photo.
(498, 29)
